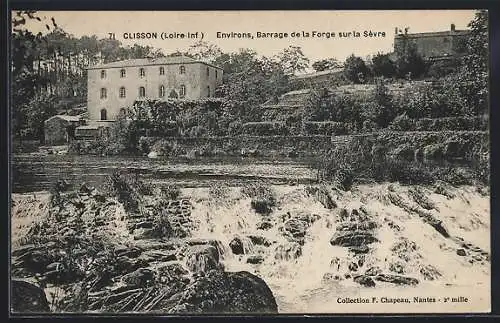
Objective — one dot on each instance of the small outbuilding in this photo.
(60, 129)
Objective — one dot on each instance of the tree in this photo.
(292, 60)
(205, 51)
(326, 64)
(382, 65)
(474, 75)
(408, 61)
(355, 69)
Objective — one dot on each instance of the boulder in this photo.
(255, 259)
(223, 292)
(259, 240)
(396, 279)
(202, 258)
(236, 246)
(355, 238)
(142, 277)
(288, 251)
(27, 298)
(461, 252)
(364, 280)
(264, 225)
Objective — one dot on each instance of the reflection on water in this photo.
(36, 172)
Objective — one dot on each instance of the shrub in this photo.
(219, 191)
(170, 192)
(326, 128)
(265, 128)
(263, 198)
(355, 69)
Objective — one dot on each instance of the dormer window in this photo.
(142, 72)
(182, 69)
(103, 74)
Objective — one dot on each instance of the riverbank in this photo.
(374, 240)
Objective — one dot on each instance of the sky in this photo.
(100, 23)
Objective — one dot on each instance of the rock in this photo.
(158, 255)
(364, 280)
(331, 277)
(396, 279)
(131, 252)
(236, 246)
(264, 225)
(259, 240)
(171, 272)
(350, 239)
(373, 271)
(202, 258)
(359, 249)
(153, 154)
(295, 228)
(142, 277)
(221, 292)
(461, 252)
(26, 297)
(289, 251)
(353, 266)
(255, 259)
(430, 273)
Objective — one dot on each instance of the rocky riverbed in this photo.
(257, 249)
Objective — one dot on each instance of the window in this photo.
(208, 71)
(123, 73)
(142, 92)
(103, 74)
(142, 72)
(123, 112)
(104, 93)
(182, 69)
(162, 70)
(215, 73)
(122, 92)
(208, 91)
(182, 92)
(104, 114)
(161, 93)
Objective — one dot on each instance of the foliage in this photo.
(404, 123)
(292, 60)
(265, 128)
(355, 69)
(382, 65)
(326, 128)
(262, 197)
(409, 63)
(326, 64)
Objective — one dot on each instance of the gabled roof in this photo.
(315, 74)
(65, 117)
(150, 61)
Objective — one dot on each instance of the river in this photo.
(34, 172)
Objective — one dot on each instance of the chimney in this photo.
(452, 27)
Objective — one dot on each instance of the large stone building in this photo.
(434, 45)
(117, 85)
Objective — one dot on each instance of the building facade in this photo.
(117, 85)
(434, 45)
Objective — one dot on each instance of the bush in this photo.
(170, 192)
(355, 69)
(326, 128)
(440, 124)
(265, 129)
(263, 198)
